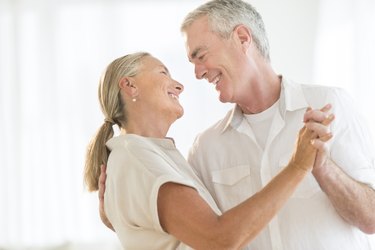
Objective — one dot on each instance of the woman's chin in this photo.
(177, 113)
(180, 113)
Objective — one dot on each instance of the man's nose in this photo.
(200, 71)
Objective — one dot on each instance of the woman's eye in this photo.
(201, 57)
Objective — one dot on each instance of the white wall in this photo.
(50, 115)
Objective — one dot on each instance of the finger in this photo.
(103, 168)
(328, 119)
(102, 179)
(318, 129)
(317, 115)
(326, 137)
(319, 145)
(100, 195)
(101, 191)
(307, 110)
(103, 174)
(326, 108)
(306, 133)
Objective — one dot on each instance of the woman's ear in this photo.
(243, 33)
(128, 88)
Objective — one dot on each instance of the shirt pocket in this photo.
(231, 185)
(307, 188)
(230, 176)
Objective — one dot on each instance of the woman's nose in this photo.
(179, 87)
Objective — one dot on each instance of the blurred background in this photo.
(52, 53)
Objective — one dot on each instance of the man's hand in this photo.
(322, 157)
(312, 138)
(102, 178)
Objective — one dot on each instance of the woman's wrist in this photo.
(300, 167)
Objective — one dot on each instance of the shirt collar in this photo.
(233, 118)
(291, 98)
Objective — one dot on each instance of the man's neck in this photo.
(264, 96)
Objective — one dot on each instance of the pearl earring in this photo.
(134, 100)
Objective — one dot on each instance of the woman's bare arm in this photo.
(184, 214)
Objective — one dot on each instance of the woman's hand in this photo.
(102, 178)
(322, 156)
(312, 138)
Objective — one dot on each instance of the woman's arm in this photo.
(184, 214)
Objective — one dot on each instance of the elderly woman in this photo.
(153, 198)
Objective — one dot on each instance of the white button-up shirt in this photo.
(233, 167)
(137, 168)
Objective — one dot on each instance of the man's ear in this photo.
(128, 88)
(243, 33)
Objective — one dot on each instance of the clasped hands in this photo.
(311, 151)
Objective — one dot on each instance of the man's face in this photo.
(218, 60)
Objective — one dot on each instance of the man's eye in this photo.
(201, 57)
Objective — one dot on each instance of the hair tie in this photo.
(109, 120)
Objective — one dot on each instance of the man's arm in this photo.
(354, 201)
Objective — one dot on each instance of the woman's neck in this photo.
(147, 126)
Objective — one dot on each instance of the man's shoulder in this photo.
(316, 92)
(315, 88)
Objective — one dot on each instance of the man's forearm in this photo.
(354, 201)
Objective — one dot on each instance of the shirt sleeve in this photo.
(136, 176)
(158, 182)
(352, 147)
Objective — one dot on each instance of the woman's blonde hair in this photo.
(114, 111)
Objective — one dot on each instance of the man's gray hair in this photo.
(225, 15)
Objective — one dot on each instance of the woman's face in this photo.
(157, 91)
